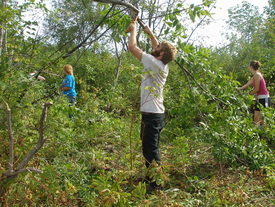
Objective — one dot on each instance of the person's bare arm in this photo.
(132, 44)
(154, 41)
(257, 78)
(65, 88)
(249, 83)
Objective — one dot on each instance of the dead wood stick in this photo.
(126, 4)
(119, 2)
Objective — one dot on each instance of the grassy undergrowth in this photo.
(96, 166)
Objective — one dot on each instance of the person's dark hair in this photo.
(170, 52)
(255, 64)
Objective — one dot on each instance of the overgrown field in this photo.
(96, 160)
(212, 152)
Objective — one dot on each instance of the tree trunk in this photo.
(2, 31)
(119, 57)
(9, 176)
(5, 182)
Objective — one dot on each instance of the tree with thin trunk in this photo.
(2, 31)
(8, 177)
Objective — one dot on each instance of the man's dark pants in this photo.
(151, 126)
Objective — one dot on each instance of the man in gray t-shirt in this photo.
(151, 103)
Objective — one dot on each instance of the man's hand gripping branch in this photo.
(132, 44)
(152, 36)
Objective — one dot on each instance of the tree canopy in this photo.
(209, 140)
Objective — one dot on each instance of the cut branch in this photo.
(126, 4)
(200, 86)
(119, 2)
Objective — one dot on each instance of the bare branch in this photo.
(15, 173)
(85, 40)
(11, 174)
(119, 2)
(11, 143)
(41, 139)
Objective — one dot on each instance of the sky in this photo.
(212, 33)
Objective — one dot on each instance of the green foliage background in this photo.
(212, 153)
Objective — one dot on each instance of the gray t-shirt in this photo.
(154, 78)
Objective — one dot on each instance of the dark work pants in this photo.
(151, 126)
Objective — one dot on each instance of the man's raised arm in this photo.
(132, 44)
(152, 36)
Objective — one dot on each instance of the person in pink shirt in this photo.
(259, 90)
